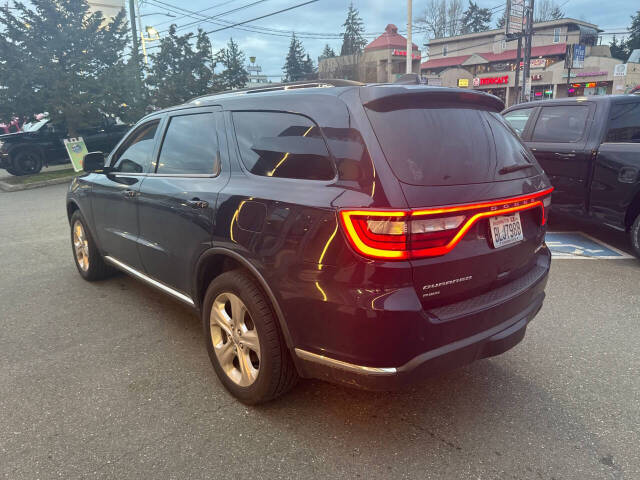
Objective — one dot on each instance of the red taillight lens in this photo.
(400, 235)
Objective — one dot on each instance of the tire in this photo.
(12, 171)
(634, 236)
(27, 162)
(268, 372)
(86, 255)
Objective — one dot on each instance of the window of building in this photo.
(444, 51)
(135, 154)
(190, 146)
(282, 145)
(556, 35)
(564, 124)
(503, 45)
(624, 123)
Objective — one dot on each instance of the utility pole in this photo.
(409, 41)
(134, 32)
(518, 61)
(527, 51)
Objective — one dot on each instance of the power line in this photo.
(199, 11)
(257, 18)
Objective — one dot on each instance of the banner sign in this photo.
(76, 149)
(574, 56)
(514, 24)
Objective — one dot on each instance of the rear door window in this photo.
(448, 145)
(624, 123)
(561, 124)
(190, 146)
(282, 145)
(518, 119)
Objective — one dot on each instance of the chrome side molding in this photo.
(154, 283)
(350, 367)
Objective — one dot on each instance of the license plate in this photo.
(505, 229)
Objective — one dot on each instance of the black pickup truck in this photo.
(590, 149)
(42, 143)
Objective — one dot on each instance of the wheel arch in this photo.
(218, 260)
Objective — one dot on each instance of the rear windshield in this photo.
(449, 145)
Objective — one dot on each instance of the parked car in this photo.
(590, 149)
(370, 235)
(41, 143)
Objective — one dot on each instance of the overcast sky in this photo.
(327, 17)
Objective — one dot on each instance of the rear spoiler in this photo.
(397, 96)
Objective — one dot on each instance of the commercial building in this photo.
(383, 60)
(487, 61)
(109, 8)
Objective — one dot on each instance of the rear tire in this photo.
(634, 236)
(86, 255)
(244, 341)
(27, 162)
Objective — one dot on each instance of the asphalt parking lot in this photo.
(112, 380)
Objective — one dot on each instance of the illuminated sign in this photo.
(403, 53)
(590, 85)
(478, 82)
(463, 82)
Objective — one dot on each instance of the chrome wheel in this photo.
(235, 339)
(81, 246)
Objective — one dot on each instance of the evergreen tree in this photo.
(353, 41)
(179, 71)
(633, 42)
(235, 74)
(60, 58)
(475, 19)
(502, 20)
(294, 67)
(328, 52)
(618, 50)
(308, 69)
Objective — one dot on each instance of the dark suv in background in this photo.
(369, 235)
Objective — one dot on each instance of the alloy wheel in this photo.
(81, 246)
(235, 339)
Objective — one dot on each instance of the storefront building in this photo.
(383, 60)
(494, 71)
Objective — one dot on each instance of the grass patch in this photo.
(40, 177)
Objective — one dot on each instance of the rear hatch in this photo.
(459, 165)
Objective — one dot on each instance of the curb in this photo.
(7, 187)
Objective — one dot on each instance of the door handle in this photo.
(197, 203)
(565, 155)
(129, 193)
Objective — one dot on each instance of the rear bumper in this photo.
(521, 300)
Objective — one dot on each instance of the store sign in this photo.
(463, 82)
(537, 63)
(620, 70)
(403, 53)
(515, 17)
(587, 74)
(574, 56)
(478, 82)
(537, 77)
(434, 82)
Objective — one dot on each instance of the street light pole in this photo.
(409, 40)
(134, 32)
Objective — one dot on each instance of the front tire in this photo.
(88, 259)
(244, 342)
(27, 162)
(634, 236)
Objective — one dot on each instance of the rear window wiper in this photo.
(514, 168)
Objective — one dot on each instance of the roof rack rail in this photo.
(270, 87)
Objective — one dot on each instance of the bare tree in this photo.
(441, 18)
(546, 10)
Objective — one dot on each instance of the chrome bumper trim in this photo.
(149, 280)
(350, 367)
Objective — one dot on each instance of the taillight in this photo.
(400, 235)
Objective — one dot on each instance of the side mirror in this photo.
(93, 162)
